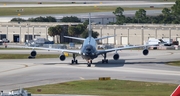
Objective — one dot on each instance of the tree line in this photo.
(57, 31)
(168, 16)
(79, 30)
(47, 19)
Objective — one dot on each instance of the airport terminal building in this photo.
(134, 34)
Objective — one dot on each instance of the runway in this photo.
(132, 66)
(129, 4)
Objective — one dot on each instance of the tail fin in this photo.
(176, 92)
(145, 43)
(90, 31)
(161, 41)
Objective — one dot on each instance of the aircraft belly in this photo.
(89, 57)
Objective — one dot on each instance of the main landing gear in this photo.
(74, 59)
(104, 60)
(89, 63)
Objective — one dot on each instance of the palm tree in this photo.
(52, 31)
(59, 31)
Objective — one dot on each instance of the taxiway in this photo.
(131, 66)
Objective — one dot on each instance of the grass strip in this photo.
(25, 56)
(174, 63)
(106, 88)
(61, 10)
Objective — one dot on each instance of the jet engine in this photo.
(62, 57)
(33, 53)
(116, 56)
(145, 52)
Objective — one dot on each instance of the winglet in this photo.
(176, 92)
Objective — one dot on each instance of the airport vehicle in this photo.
(5, 40)
(167, 41)
(89, 49)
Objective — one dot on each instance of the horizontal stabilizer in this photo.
(77, 38)
(103, 37)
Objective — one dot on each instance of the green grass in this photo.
(174, 63)
(25, 56)
(61, 10)
(163, 0)
(106, 88)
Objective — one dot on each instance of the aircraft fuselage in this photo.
(89, 49)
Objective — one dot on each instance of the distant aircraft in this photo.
(89, 49)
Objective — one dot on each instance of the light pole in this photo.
(114, 36)
(46, 33)
(169, 33)
(28, 32)
(142, 29)
(107, 38)
(0, 35)
(7, 32)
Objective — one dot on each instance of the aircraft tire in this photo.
(102, 61)
(89, 65)
(72, 61)
(76, 61)
(106, 61)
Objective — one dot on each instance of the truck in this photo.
(166, 41)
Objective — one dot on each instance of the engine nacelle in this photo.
(145, 52)
(62, 57)
(33, 53)
(116, 56)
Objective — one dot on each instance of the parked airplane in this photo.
(89, 49)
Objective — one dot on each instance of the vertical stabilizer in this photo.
(89, 32)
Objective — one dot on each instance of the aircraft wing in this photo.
(49, 49)
(55, 49)
(123, 48)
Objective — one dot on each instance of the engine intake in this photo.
(33, 53)
(145, 52)
(116, 56)
(62, 57)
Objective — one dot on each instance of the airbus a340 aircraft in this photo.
(89, 49)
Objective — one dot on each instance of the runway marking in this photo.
(24, 66)
(131, 70)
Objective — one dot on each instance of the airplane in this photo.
(89, 50)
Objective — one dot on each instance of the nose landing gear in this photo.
(89, 63)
